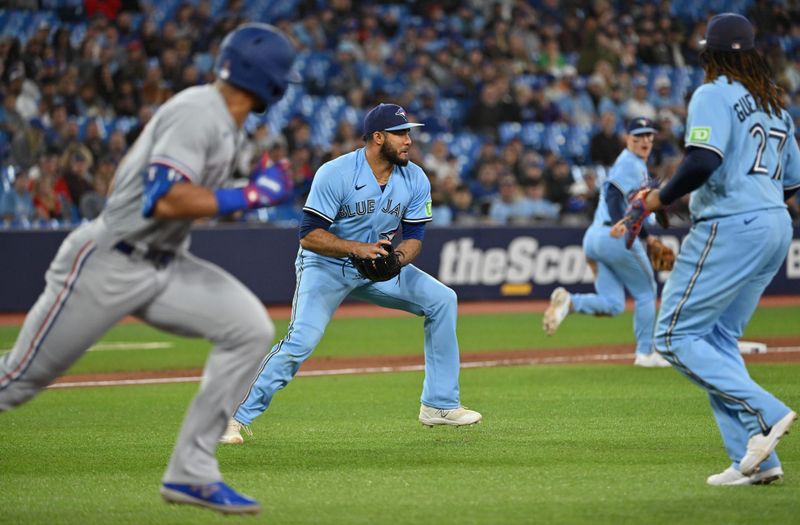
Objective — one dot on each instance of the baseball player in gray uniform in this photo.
(133, 260)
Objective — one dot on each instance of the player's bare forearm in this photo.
(325, 243)
(653, 201)
(408, 250)
(186, 201)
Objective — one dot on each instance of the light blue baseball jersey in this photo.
(628, 174)
(345, 193)
(759, 153)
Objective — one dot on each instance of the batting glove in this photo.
(270, 185)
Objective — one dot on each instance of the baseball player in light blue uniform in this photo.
(742, 162)
(357, 203)
(134, 260)
(617, 268)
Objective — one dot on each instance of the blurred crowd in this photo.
(524, 102)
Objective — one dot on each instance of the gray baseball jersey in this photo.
(194, 134)
(125, 263)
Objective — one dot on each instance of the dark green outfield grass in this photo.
(602, 444)
(356, 337)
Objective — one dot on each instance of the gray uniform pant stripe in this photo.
(673, 358)
(52, 316)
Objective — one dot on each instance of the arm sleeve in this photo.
(791, 165)
(694, 170)
(325, 196)
(182, 138)
(311, 222)
(414, 230)
(708, 121)
(420, 209)
(615, 202)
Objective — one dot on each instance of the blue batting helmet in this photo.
(257, 58)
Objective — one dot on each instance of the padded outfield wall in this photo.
(486, 263)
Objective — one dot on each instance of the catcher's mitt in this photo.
(662, 258)
(380, 269)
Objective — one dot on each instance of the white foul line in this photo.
(130, 346)
(552, 360)
(122, 345)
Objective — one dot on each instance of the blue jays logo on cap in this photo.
(641, 126)
(729, 32)
(387, 117)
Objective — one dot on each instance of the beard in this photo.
(391, 155)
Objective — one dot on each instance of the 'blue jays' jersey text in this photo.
(760, 156)
(345, 193)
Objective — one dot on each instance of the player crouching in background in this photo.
(357, 203)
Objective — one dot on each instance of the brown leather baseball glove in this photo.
(662, 258)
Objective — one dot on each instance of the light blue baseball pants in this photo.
(620, 269)
(322, 285)
(721, 272)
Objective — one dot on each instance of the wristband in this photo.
(230, 200)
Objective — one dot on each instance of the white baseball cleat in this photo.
(460, 416)
(651, 360)
(558, 310)
(233, 434)
(732, 476)
(759, 447)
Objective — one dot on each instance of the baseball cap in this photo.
(387, 117)
(729, 32)
(641, 126)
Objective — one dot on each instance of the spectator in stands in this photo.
(94, 200)
(143, 117)
(614, 101)
(344, 74)
(559, 180)
(534, 205)
(544, 109)
(493, 107)
(596, 90)
(347, 135)
(666, 145)
(126, 100)
(440, 206)
(639, 105)
(438, 163)
(49, 204)
(16, 205)
(504, 207)
(606, 144)
(93, 137)
(75, 179)
(155, 90)
(663, 99)
(551, 59)
(117, 147)
(485, 186)
(463, 211)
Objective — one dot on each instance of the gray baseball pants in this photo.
(90, 286)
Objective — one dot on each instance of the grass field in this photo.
(576, 444)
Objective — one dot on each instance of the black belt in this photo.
(159, 258)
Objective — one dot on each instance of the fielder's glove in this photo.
(662, 258)
(380, 269)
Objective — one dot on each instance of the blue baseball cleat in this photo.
(216, 496)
